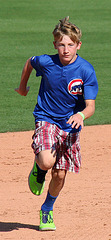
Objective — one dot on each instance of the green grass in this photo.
(26, 30)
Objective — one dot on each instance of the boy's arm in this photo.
(76, 120)
(23, 89)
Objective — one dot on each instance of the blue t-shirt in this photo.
(63, 89)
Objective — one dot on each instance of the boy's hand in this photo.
(22, 92)
(76, 120)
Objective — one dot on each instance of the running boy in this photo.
(66, 97)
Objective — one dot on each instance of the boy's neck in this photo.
(73, 60)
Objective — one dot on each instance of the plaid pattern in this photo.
(67, 145)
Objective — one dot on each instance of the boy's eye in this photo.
(61, 44)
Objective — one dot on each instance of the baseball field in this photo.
(83, 209)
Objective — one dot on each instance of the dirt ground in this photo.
(83, 209)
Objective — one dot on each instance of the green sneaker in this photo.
(46, 221)
(35, 187)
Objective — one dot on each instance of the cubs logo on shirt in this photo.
(75, 86)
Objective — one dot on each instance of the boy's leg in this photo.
(55, 186)
(44, 146)
(57, 181)
(43, 161)
(46, 159)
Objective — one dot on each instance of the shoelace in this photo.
(39, 177)
(46, 217)
(35, 174)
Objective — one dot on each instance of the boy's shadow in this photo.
(9, 226)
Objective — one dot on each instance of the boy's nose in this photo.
(65, 49)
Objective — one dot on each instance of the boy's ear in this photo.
(54, 44)
(79, 45)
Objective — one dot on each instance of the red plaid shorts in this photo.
(67, 145)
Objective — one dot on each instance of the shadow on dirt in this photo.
(9, 226)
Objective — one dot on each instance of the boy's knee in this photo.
(44, 160)
(59, 175)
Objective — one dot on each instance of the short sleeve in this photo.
(90, 86)
(35, 62)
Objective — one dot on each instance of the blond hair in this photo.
(64, 27)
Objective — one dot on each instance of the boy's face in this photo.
(67, 50)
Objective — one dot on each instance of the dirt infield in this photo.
(83, 209)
